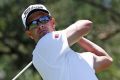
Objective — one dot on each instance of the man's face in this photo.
(39, 24)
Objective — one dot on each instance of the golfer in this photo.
(52, 57)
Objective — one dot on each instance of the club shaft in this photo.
(22, 71)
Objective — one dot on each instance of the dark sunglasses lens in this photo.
(34, 22)
(44, 19)
(41, 20)
(32, 25)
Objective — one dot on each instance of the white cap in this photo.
(31, 9)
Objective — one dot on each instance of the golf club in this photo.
(23, 70)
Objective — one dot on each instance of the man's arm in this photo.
(75, 31)
(101, 59)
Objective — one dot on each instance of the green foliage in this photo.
(16, 49)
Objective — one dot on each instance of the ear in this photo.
(29, 34)
(53, 22)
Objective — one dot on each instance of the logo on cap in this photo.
(30, 9)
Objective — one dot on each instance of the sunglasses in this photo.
(40, 20)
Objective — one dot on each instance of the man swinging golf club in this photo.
(52, 57)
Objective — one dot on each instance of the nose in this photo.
(40, 26)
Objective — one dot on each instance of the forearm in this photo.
(75, 31)
(92, 47)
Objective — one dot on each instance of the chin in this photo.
(42, 34)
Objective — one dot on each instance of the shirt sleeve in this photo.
(88, 57)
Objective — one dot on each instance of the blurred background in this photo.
(16, 48)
